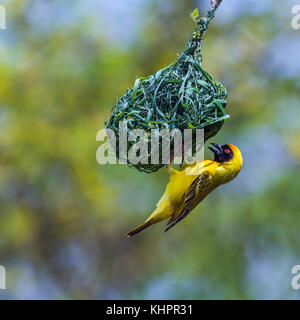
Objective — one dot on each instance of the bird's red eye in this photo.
(227, 151)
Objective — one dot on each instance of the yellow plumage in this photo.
(190, 186)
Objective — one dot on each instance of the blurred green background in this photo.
(63, 65)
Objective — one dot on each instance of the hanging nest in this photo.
(182, 95)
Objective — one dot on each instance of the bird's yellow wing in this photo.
(198, 190)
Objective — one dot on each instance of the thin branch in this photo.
(215, 3)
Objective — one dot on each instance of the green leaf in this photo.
(191, 126)
(219, 104)
(202, 83)
(195, 15)
(135, 89)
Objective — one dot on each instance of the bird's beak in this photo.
(217, 150)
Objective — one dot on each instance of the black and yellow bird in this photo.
(187, 188)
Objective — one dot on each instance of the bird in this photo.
(188, 187)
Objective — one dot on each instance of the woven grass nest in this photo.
(182, 95)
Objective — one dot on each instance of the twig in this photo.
(203, 24)
(215, 3)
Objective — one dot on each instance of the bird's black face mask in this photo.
(222, 153)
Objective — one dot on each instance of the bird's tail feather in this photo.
(138, 229)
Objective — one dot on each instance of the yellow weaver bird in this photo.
(190, 186)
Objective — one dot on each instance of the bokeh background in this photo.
(63, 65)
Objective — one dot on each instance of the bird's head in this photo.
(226, 153)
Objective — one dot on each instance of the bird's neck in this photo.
(229, 170)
